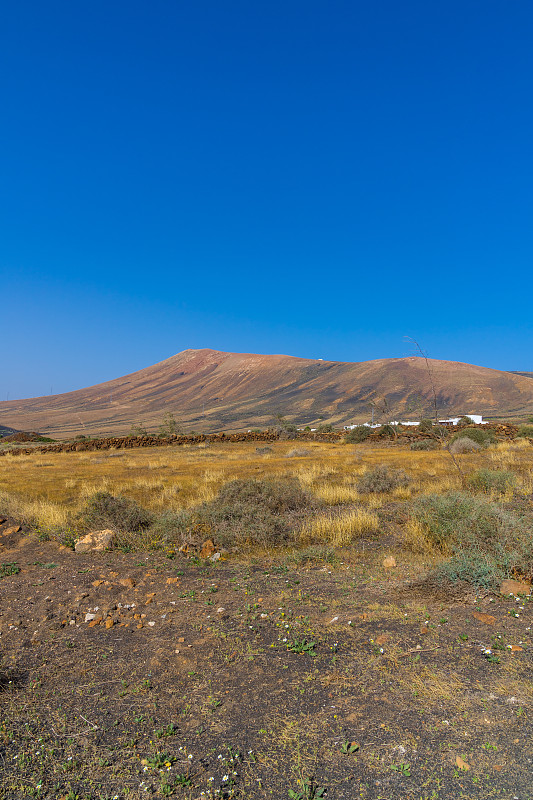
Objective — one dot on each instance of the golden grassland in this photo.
(45, 488)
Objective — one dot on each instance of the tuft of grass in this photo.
(340, 530)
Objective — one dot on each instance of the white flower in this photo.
(225, 778)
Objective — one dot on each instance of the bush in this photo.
(424, 444)
(525, 431)
(262, 451)
(297, 452)
(255, 511)
(386, 431)
(383, 479)
(104, 510)
(357, 434)
(486, 542)
(425, 426)
(464, 445)
(477, 435)
(325, 428)
(491, 480)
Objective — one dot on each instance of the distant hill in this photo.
(209, 390)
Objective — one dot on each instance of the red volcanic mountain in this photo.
(209, 390)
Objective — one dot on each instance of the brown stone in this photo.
(96, 583)
(424, 629)
(462, 764)
(208, 548)
(488, 619)
(128, 583)
(382, 639)
(389, 562)
(10, 530)
(96, 541)
(172, 580)
(109, 623)
(510, 586)
(515, 648)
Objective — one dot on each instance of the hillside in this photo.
(210, 390)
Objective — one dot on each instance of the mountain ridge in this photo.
(212, 390)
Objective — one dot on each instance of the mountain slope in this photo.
(211, 390)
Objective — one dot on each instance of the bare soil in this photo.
(128, 675)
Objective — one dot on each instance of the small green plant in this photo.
(302, 646)
(159, 760)
(347, 748)
(168, 730)
(403, 768)
(308, 791)
(9, 568)
(476, 435)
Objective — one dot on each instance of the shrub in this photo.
(325, 428)
(383, 479)
(357, 434)
(525, 431)
(464, 445)
(297, 452)
(386, 431)
(424, 444)
(255, 511)
(491, 480)
(104, 510)
(262, 451)
(477, 435)
(425, 426)
(486, 542)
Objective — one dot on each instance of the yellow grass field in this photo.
(44, 488)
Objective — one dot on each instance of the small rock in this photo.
(215, 557)
(515, 587)
(96, 583)
(488, 619)
(151, 624)
(10, 530)
(424, 629)
(96, 541)
(462, 764)
(515, 648)
(181, 639)
(382, 639)
(109, 623)
(208, 548)
(333, 620)
(89, 617)
(389, 562)
(220, 610)
(128, 583)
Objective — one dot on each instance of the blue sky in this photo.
(311, 178)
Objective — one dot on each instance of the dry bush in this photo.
(464, 445)
(103, 510)
(297, 453)
(383, 479)
(497, 481)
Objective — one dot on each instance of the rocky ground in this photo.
(127, 675)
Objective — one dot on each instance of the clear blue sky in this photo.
(311, 178)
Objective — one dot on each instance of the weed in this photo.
(403, 768)
(308, 791)
(9, 568)
(357, 434)
(491, 480)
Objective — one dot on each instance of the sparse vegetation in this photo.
(491, 480)
(383, 479)
(525, 431)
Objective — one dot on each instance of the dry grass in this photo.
(340, 530)
(44, 488)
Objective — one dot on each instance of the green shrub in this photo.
(424, 444)
(525, 431)
(255, 511)
(357, 434)
(386, 431)
(383, 479)
(104, 510)
(477, 435)
(325, 428)
(491, 480)
(486, 542)
(425, 426)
